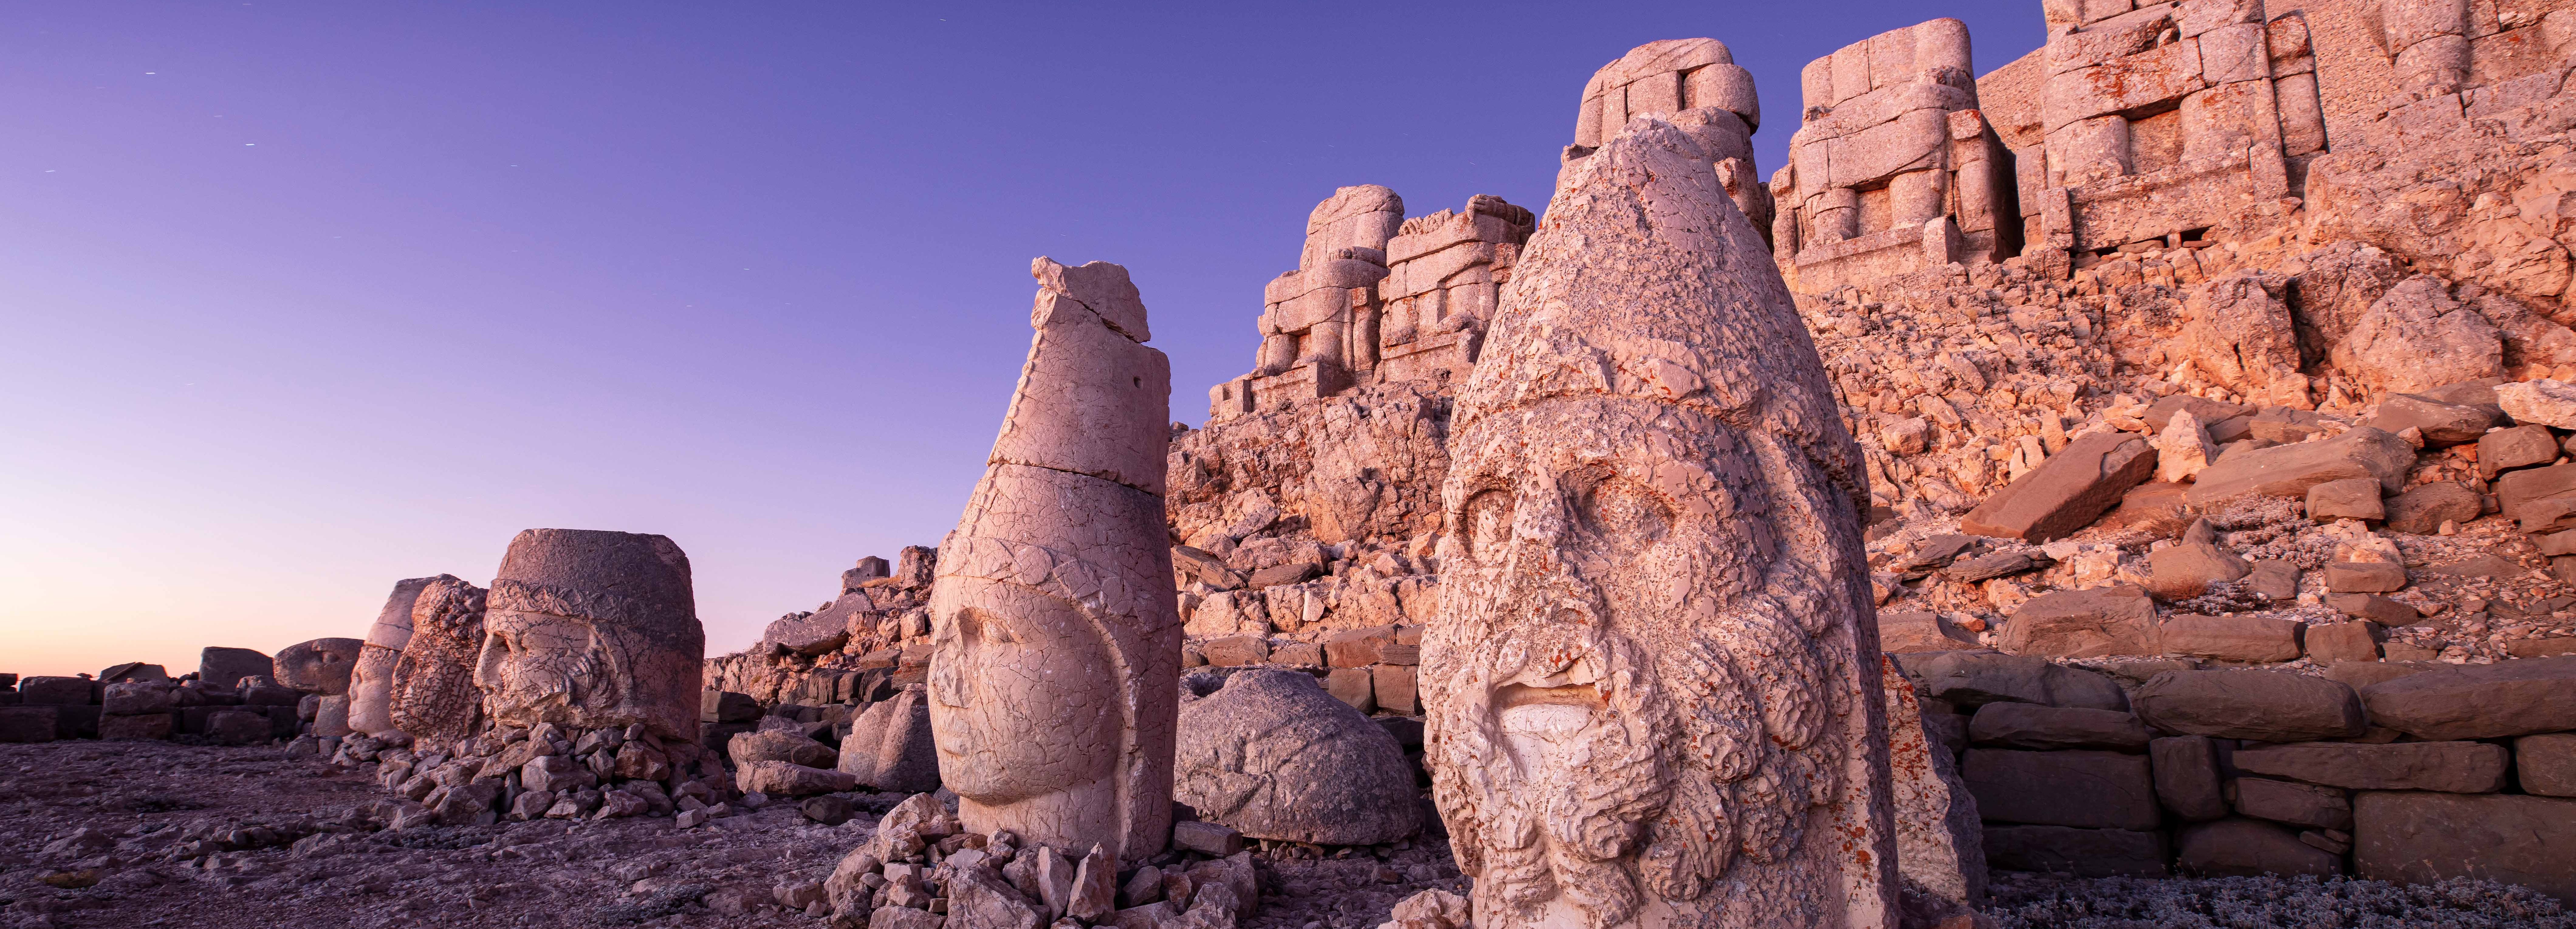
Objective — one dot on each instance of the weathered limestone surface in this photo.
(1696, 85)
(890, 747)
(371, 680)
(434, 692)
(1271, 755)
(1649, 686)
(1054, 680)
(1940, 843)
(320, 666)
(590, 629)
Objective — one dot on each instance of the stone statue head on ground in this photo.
(1054, 677)
(1647, 694)
(589, 629)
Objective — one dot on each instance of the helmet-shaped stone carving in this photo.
(1652, 682)
(434, 696)
(371, 681)
(589, 629)
(1055, 671)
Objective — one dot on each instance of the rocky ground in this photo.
(2028, 901)
(158, 833)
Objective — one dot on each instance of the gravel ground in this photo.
(132, 834)
(2027, 901)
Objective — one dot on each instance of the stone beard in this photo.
(1644, 703)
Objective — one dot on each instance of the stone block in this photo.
(2293, 803)
(2365, 577)
(1298, 654)
(1229, 651)
(2419, 838)
(1352, 686)
(237, 726)
(2328, 643)
(76, 722)
(2247, 848)
(27, 723)
(137, 728)
(2067, 492)
(2268, 706)
(1206, 838)
(2291, 470)
(2026, 725)
(2181, 572)
(2186, 774)
(2423, 509)
(2514, 449)
(1909, 631)
(2274, 579)
(2546, 764)
(2350, 498)
(2450, 767)
(2514, 489)
(722, 706)
(2508, 698)
(2082, 852)
(225, 667)
(2442, 424)
(1971, 679)
(2374, 608)
(2360, 674)
(138, 699)
(1358, 648)
(1396, 688)
(2232, 638)
(2083, 789)
(58, 691)
(2116, 620)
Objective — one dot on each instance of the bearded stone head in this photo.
(589, 629)
(1645, 706)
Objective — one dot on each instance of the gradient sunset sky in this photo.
(298, 299)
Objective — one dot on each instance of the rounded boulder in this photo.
(1271, 755)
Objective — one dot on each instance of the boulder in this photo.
(2416, 337)
(2275, 580)
(2546, 764)
(2232, 638)
(2419, 838)
(2350, 498)
(2268, 706)
(2159, 414)
(821, 632)
(2514, 449)
(2084, 789)
(1909, 631)
(318, 666)
(48, 690)
(2329, 643)
(890, 747)
(2183, 448)
(2452, 767)
(2181, 572)
(138, 699)
(2374, 608)
(2066, 492)
(2289, 471)
(133, 672)
(2441, 424)
(749, 748)
(2508, 698)
(1273, 756)
(2114, 620)
(2293, 803)
(783, 779)
(2248, 848)
(2423, 508)
(1971, 679)
(2081, 852)
(2515, 490)
(2186, 772)
(2542, 402)
(2024, 725)
(2366, 577)
(719, 706)
(225, 667)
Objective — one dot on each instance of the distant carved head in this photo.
(1641, 679)
(590, 629)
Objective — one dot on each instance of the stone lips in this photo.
(1646, 342)
(591, 628)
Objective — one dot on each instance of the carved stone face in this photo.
(1024, 682)
(542, 664)
(1625, 689)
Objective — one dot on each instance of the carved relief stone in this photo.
(591, 629)
(371, 681)
(1056, 631)
(1652, 685)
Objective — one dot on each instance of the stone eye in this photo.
(1488, 525)
(1626, 515)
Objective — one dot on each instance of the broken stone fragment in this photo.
(2116, 620)
(2351, 498)
(2291, 470)
(2268, 706)
(2067, 492)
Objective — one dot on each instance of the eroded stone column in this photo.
(590, 629)
(434, 693)
(1652, 685)
(1054, 679)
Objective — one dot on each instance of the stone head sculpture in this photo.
(371, 680)
(1055, 671)
(433, 694)
(1652, 681)
(589, 629)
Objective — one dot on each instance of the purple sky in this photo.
(300, 299)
